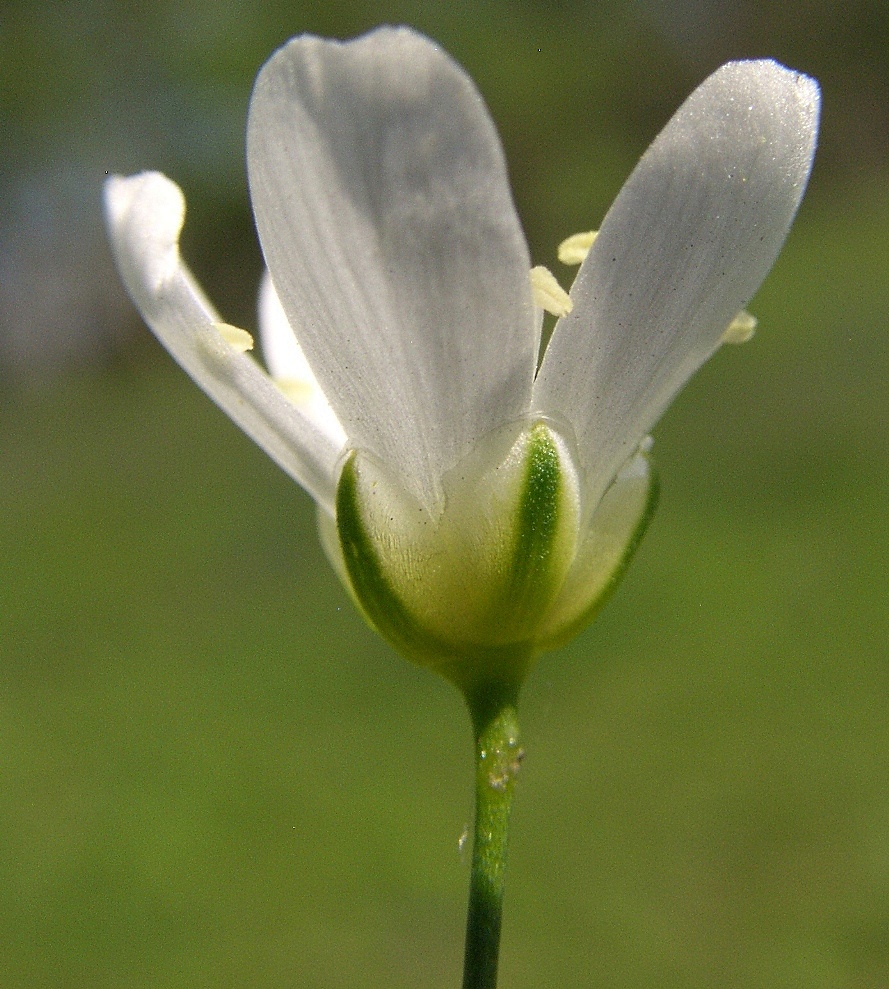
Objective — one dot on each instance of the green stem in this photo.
(497, 760)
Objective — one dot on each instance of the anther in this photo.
(297, 391)
(575, 248)
(235, 337)
(740, 329)
(548, 293)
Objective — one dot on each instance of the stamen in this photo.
(740, 329)
(235, 337)
(575, 249)
(296, 390)
(548, 293)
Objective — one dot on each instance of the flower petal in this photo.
(288, 366)
(281, 351)
(144, 215)
(685, 245)
(384, 211)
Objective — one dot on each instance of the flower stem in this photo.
(497, 760)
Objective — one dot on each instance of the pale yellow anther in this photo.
(297, 391)
(548, 293)
(575, 249)
(235, 337)
(740, 329)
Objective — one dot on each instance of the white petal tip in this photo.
(145, 213)
(574, 249)
(793, 96)
(548, 293)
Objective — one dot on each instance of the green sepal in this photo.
(520, 550)
(504, 571)
(371, 588)
(559, 630)
(528, 587)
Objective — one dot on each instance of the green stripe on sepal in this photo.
(502, 571)
(470, 667)
(370, 586)
(610, 542)
(536, 569)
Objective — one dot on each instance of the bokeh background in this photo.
(212, 774)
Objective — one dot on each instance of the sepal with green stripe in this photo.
(503, 571)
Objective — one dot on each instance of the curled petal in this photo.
(686, 244)
(144, 215)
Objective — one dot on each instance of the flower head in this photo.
(477, 503)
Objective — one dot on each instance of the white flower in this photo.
(477, 504)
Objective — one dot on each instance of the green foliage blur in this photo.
(212, 774)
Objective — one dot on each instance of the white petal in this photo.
(384, 211)
(144, 215)
(685, 245)
(281, 351)
(288, 366)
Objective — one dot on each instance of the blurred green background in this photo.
(212, 774)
